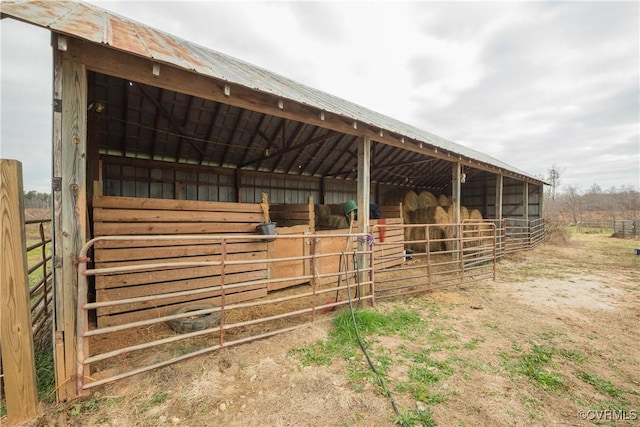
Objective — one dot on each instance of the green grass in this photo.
(422, 373)
(414, 417)
(603, 386)
(45, 377)
(536, 364)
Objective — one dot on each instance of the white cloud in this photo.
(530, 83)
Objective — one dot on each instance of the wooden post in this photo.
(456, 175)
(70, 209)
(498, 209)
(364, 191)
(525, 200)
(15, 323)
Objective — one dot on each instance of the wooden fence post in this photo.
(15, 325)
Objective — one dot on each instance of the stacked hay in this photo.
(423, 209)
(444, 201)
(330, 217)
(469, 230)
(426, 199)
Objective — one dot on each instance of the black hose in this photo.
(381, 380)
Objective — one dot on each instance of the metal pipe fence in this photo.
(443, 255)
(40, 270)
(240, 322)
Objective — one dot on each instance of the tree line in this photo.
(576, 206)
(36, 200)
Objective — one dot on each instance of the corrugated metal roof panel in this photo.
(100, 26)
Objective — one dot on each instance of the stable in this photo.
(168, 157)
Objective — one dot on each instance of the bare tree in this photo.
(554, 180)
(573, 201)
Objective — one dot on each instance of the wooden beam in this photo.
(18, 359)
(456, 176)
(499, 191)
(56, 170)
(525, 199)
(72, 210)
(364, 192)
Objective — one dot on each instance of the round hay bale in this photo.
(444, 200)
(464, 213)
(440, 216)
(450, 213)
(411, 201)
(322, 210)
(338, 222)
(475, 214)
(423, 216)
(426, 199)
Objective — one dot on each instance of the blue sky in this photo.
(533, 84)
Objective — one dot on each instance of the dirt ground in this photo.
(578, 303)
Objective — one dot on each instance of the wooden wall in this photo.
(141, 216)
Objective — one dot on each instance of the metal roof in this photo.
(100, 26)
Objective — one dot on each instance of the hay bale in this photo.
(464, 213)
(322, 210)
(336, 209)
(444, 200)
(411, 201)
(475, 214)
(426, 199)
(418, 233)
(440, 216)
(337, 222)
(423, 216)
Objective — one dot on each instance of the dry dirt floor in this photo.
(554, 341)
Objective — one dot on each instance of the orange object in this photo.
(382, 230)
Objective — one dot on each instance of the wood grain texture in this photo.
(15, 323)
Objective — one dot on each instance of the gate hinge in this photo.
(56, 183)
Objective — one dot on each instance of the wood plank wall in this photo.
(142, 216)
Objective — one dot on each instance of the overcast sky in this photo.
(533, 84)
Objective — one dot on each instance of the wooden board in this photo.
(283, 248)
(126, 216)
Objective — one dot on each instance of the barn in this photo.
(190, 185)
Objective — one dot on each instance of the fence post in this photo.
(15, 325)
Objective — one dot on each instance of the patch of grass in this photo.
(573, 355)
(90, 405)
(531, 404)
(45, 375)
(414, 417)
(156, 399)
(315, 354)
(534, 365)
(473, 344)
(603, 386)
(399, 320)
